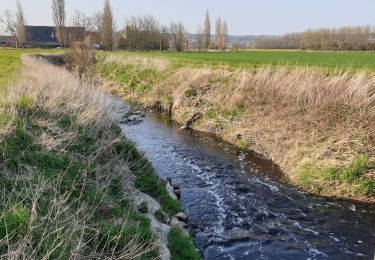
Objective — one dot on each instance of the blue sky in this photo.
(243, 16)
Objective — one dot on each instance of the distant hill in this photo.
(240, 39)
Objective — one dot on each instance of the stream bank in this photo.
(73, 184)
(297, 117)
(237, 205)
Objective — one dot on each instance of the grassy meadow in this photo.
(10, 63)
(257, 58)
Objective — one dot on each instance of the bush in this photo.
(81, 57)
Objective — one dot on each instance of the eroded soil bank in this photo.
(318, 127)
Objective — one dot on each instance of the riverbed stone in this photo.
(171, 191)
(177, 223)
(181, 216)
(143, 208)
(177, 192)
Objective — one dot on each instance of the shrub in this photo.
(81, 57)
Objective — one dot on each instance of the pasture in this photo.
(10, 63)
(256, 58)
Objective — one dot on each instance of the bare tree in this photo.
(58, 10)
(163, 36)
(207, 31)
(96, 22)
(9, 20)
(200, 38)
(107, 27)
(178, 32)
(21, 31)
(224, 36)
(79, 19)
(359, 38)
(218, 34)
(144, 33)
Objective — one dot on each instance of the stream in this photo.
(239, 207)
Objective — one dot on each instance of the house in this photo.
(8, 41)
(94, 39)
(45, 36)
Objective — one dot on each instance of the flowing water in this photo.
(239, 208)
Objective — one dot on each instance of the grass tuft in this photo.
(181, 245)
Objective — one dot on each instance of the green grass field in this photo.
(331, 60)
(10, 63)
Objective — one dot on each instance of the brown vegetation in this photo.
(80, 57)
(143, 33)
(302, 118)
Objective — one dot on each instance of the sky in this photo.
(244, 17)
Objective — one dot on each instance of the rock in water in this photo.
(181, 216)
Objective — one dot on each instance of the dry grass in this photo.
(80, 57)
(43, 97)
(297, 117)
(158, 64)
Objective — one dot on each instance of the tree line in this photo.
(138, 33)
(358, 38)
